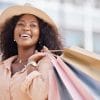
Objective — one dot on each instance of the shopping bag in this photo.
(74, 87)
(53, 87)
(90, 83)
(83, 60)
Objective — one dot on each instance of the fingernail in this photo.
(36, 51)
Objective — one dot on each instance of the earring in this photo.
(39, 42)
(14, 40)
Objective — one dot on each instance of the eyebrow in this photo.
(31, 21)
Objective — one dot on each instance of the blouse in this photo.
(22, 86)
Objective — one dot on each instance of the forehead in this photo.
(28, 17)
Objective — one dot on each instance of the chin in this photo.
(26, 45)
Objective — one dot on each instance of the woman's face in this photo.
(26, 32)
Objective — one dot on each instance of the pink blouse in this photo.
(21, 86)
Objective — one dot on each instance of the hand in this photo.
(37, 56)
(45, 49)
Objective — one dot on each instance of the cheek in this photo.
(36, 34)
(16, 36)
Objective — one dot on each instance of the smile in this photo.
(25, 36)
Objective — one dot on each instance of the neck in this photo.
(24, 54)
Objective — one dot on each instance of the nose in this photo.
(27, 27)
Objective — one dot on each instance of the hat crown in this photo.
(25, 9)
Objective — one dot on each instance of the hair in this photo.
(49, 37)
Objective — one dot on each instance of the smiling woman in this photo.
(27, 34)
(29, 71)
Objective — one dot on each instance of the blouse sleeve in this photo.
(36, 83)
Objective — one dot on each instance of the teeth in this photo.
(25, 35)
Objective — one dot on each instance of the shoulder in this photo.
(7, 61)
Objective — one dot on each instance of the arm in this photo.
(37, 87)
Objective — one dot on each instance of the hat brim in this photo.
(19, 9)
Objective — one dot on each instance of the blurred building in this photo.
(78, 20)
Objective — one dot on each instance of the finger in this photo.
(37, 56)
(36, 51)
(45, 49)
(42, 50)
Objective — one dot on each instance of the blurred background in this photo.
(78, 21)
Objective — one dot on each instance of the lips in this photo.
(25, 35)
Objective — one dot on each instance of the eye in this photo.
(34, 25)
(20, 24)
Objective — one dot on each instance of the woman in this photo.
(26, 33)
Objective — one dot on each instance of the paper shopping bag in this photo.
(83, 60)
(73, 85)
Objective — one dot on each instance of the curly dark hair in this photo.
(48, 36)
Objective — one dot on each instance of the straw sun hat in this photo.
(24, 9)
